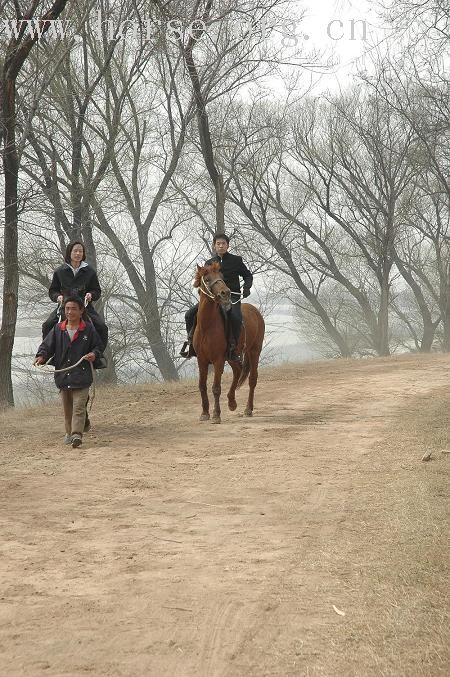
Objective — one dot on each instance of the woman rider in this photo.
(76, 278)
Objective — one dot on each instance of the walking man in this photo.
(70, 342)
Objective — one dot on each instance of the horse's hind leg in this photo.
(252, 381)
(217, 389)
(203, 387)
(232, 392)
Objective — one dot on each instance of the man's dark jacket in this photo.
(66, 283)
(67, 352)
(232, 267)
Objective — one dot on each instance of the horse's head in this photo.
(209, 281)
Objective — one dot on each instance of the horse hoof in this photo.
(248, 412)
(232, 405)
(215, 419)
(204, 417)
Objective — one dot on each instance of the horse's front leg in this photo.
(203, 387)
(217, 388)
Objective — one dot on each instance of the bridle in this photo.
(207, 291)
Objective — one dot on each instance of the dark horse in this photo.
(210, 342)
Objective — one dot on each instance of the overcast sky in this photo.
(344, 31)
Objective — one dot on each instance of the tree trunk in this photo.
(16, 54)
(206, 141)
(160, 352)
(329, 327)
(109, 374)
(446, 325)
(428, 326)
(429, 329)
(153, 322)
(11, 280)
(382, 346)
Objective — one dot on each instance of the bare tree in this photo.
(415, 84)
(221, 58)
(70, 151)
(116, 126)
(17, 52)
(357, 170)
(322, 186)
(145, 148)
(422, 258)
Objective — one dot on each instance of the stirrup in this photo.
(187, 350)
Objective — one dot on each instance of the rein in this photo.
(58, 371)
(233, 303)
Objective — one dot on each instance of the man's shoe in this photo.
(87, 425)
(76, 440)
(67, 439)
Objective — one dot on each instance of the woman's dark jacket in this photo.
(67, 352)
(232, 267)
(66, 283)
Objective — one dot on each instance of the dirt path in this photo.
(168, 547)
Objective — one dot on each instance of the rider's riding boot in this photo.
(233, 352)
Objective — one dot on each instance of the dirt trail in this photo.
(165, 546)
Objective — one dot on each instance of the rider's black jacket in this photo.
(232, 267)
(66, 283)
(67, 352)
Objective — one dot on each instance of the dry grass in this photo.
(390, 560)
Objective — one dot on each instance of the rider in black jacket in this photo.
(232, 268)
(76, 278)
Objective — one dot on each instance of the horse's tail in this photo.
(245, 370)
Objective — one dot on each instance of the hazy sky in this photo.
(344, 31)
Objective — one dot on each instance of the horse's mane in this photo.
(205, 270)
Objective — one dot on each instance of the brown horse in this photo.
(210, 342)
